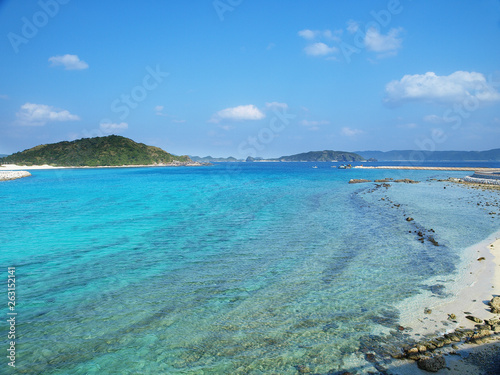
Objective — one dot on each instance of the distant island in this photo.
(326, 155)
(315, 156)
(111, 150)
(416, 155)
(210, 159)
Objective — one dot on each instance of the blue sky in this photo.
(260, 78)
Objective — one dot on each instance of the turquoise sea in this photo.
(244, 268)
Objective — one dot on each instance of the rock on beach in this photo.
(13, 175)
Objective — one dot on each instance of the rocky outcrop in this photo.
(358, 181)
(495, 305)
(407, 181)
(432, 364)
(13, 175)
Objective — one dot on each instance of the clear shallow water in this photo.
(231, 269)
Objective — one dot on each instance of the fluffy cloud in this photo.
(69, 62)
(319, 49)
(313, 125)
(377, 42)
(239, 113)
(275, 105)
(348, 132)
(308, 34)
(39, 114)
(110, 127)
(430, 87)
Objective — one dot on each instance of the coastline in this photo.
(476, 283)
(15, 167)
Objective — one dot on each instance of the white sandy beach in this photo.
(15, 167)
(478, 282)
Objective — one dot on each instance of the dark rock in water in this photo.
(409, 219)
(370, 357)
(481, 258)
(452, 316)
(495, 305)
(407, 181)
(433, 364)
(358, 181)
(427, 311)
(433, 241)
(303, 369)
(438, 289)
(329, 326)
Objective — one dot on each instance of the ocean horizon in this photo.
(236, 268)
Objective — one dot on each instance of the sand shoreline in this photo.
(15, 167)
(475, 284)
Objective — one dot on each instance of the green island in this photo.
(326, 155)
(112, 150)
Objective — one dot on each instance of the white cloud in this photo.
(110, 127)
(308, 34)
(159, 108)
(239, 113)
(376, 42)
(430, 87)
(4, 97)
(314, 123)
(348, 132)
(274, 105)
(319, 49)
(226, 127)
(69, 62)
(39, 114)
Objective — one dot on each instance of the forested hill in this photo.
(112, 150)
(326, 155)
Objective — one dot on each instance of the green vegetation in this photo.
(326, 155)
(112, 150)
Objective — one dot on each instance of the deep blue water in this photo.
(238, 268)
